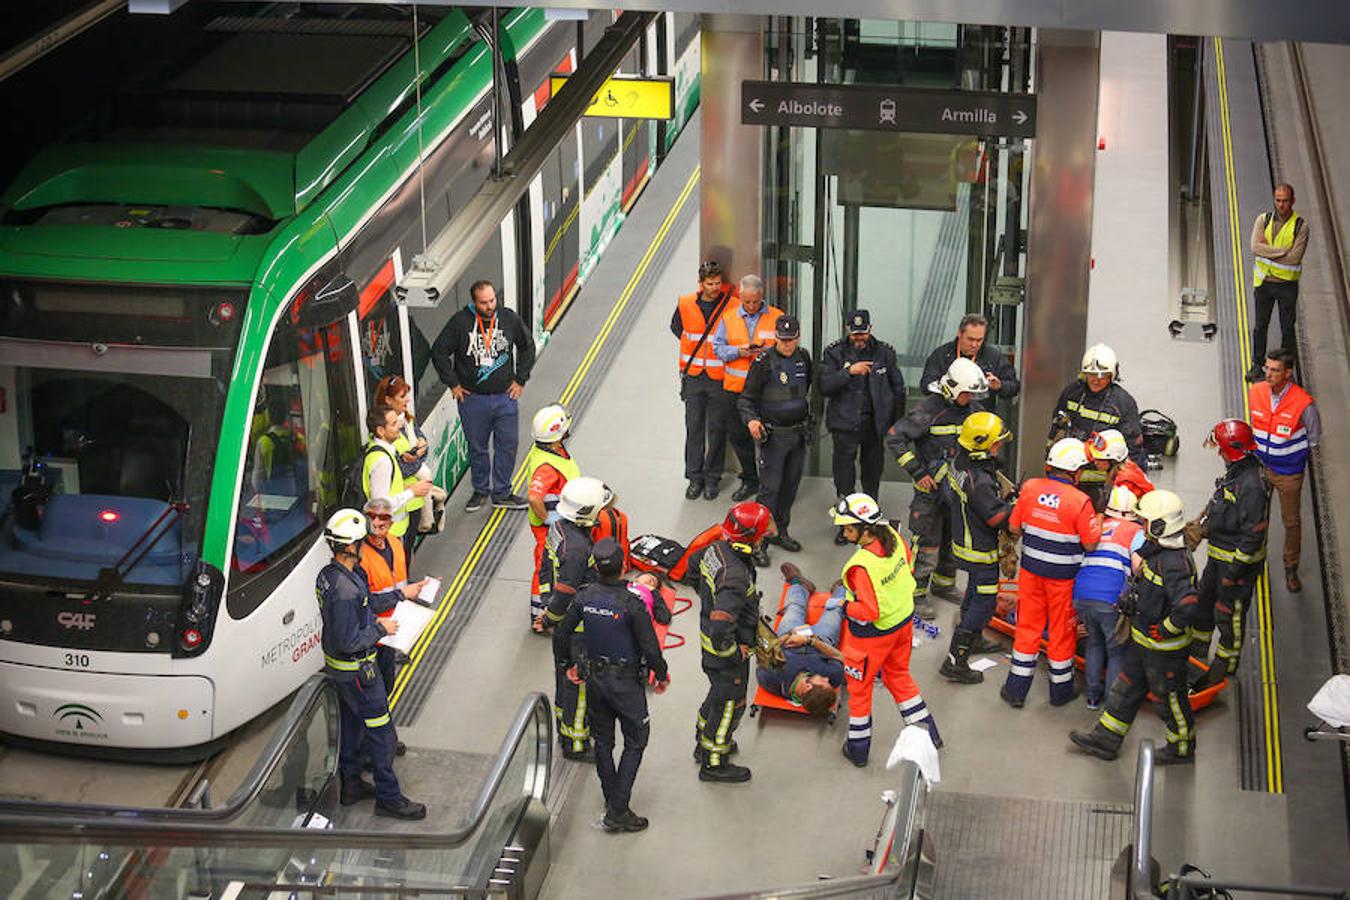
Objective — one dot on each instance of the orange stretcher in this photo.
(1003, 621)
(766, 699)
(668, 639)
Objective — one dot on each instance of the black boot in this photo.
(760, 556)
(956, 667)
(747, 490)
(625, 820)
(725, 772)
(1216, 673)
(354, 790)
(402, 808)
(787, 541)
(1099, 743)
(1168, 756)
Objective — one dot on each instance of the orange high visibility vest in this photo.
(694, 329)
(1281, 439)
(379, 573)
(735, 372)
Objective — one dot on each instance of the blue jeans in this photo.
(1101, 652)
(831, 620)
(495, 418)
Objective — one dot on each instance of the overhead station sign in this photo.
(629, 98)
(877, 107)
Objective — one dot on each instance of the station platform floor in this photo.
(1018, 812)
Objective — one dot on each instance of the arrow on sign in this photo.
(757, 104)
(1020, 117)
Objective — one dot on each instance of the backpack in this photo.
(353, 494)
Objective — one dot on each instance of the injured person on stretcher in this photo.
(813, 667)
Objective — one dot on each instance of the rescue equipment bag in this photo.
(1160, 433)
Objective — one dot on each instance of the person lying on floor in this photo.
(647, 585)
(814, 667)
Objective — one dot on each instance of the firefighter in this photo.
(1109, 464)
(548, 466)
(1235, 522)
(1095, 401)
(924, 442)
(566, 569)
(621, 647)
(1160, 607)
(775, 408)
(879, 613)
(978, 512)
(728, 614)
(350, 634)
(1057, 525)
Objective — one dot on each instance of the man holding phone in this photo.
(745, 330)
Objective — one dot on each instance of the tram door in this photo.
(918, 229)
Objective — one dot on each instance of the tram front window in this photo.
(107, 440)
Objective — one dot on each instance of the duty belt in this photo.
(347, 665)
(621, 669)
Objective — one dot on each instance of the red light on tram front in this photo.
(109, 516)
(222, 313)
(192, 638)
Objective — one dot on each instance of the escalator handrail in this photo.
(31, 822)
(1141, 864)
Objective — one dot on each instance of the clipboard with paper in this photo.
(413, 616)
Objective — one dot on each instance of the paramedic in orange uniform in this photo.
(549, 466)
(879, 611)
(1058, 526)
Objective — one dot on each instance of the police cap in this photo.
(608, 557)
(859, 322)
(788, 327)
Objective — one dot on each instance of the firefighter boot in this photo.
(956, 667)
(1168, 756)
(1099, 742)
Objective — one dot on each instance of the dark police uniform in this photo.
(775, 394)
(726, 585)
(860, 408)
(977, 512)
(350, 635)
(564, 570)
(1161, 607)
(924, 443)
(620, 646)
(1236, 524)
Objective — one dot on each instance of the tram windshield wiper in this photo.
(110, 578)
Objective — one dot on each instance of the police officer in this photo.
(860, 376)
(924, 443)
(621, 646)
(775, 409)
(1160, 608)
(350, 634)
(1095, 401)
(728, 613)
(978, 512)
(1236, 523)
(564, 571)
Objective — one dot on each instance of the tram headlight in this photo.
(152, 639)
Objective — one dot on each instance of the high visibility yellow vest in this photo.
(1263, 267)
(566, 466)
(892, 581)
(405, 444)
(373, 452)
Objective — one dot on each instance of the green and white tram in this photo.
(195, 305)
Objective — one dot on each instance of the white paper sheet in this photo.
(412, 618)
(981, 663)
(431, 593)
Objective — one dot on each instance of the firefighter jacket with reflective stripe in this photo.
(349, 630)
(978, 512)
(616, 629)
(1263, 268)
(1165, 595)
(734, 372)
(775, 392)
(1106, 569)
(1281, 439)
(693, 329)
(1111, 407)
(565, 466)
(1057, 521)
(726, 587)
(1238, 514)
(892, 581)
(924, 441)
(386, 581)
(376, 450)
(565, 568)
